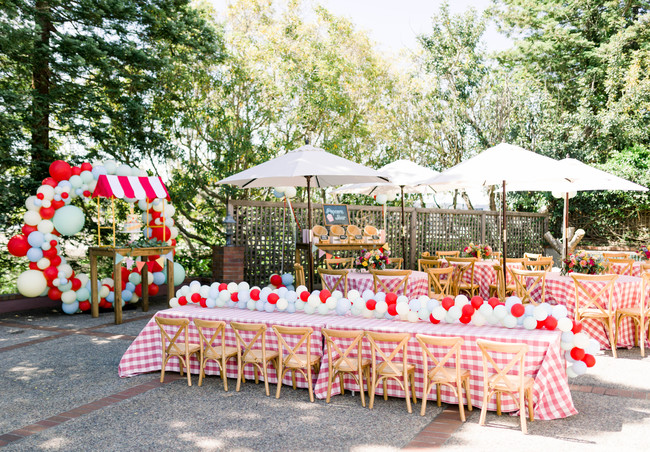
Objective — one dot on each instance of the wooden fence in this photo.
(268, 232)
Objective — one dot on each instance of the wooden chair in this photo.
(454, 377)
(396, 263)
(441, 282)
(645, 267)
(532, 256)
(496, 255)
(341, 282)
(639, 314)
(386, 368)
(466, 267)
(350, 361)
(426, 264)
(253, 352)
(379, 285)
(220, 353)
(612, 255)
(447, 254)
(427, 255)
(517, 386)
(500, 289)
(294, 361)
(300, 274)
(625, 266)
(542, 264)
(170, 346)
(524, 290)
(339, 263)
(593, 308)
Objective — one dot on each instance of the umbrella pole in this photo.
(566, 225)
(403, 228)
(310, 253)
(504, 238)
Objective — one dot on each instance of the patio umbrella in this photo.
(501, 165)
(404, 176)
(303, 167)
(584, 178)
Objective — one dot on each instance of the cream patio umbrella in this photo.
(404, 176)
(304, 167)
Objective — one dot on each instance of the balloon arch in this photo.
(50, 216)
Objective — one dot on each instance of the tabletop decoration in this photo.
(479, 251)
(579, 347)
(376, 259)
(583, 262)
(644, 252)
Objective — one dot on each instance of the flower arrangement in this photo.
(583, 262)
(478, 251)
(376, 259)
(644, 252)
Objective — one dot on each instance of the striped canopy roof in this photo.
(110, 186)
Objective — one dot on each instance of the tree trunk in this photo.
(467, 200)
(493, 199)
(41, 154)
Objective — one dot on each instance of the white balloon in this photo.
(232, 287)
(47, 191)
(29, 203)
(564, 324)
(581, 340)
(45, 226)
(353, 295)
(32, 218)
(540, 313)
(402, 308)
(413, 316)
(31, 283)
(530, 323)
(69, 296)
(381, 307)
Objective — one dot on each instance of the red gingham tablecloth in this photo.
(144, 354)
(418, 283)
(561, 290)
(484, 275)
(618, 268)
(544, 362)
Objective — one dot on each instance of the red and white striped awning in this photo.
(110, 186)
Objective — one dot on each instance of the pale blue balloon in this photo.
(159, 278)
(97, 170)
(130, 287)
(110, 297)
(179, 274)
(127, 295)
(83, 294)
(287, 279)
(230, 303)
(210, 302)
(70, 308)
(415, 305)
(259, 305)
(291, 308)
(36, 239)
(34, 254)
(241, 304)
(69, 220)
(212, 293)
(268, 307)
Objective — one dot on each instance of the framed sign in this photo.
(335, 214)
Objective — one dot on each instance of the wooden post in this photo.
(170, 282)
(483, 227)
(94, 295)
(413, 239)
(117, 290)
(145, 287)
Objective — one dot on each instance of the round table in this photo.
(418, 282)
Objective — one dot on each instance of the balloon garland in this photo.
(50, 216)
(281, 296)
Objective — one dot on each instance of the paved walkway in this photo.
(61, 392)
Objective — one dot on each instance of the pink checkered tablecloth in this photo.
(544, 362)
(418, 283)
(619, 269)
(485, 274)
(561, 290)
(144, 354)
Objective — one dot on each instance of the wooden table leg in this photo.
(170, 281)
(117, 301)
(145, 288)
(94, 295)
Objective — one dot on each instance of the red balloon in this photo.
(517, 310)
(276, 280)
(182, 301)
(57, 205)
(104, 304)
(203, 303)
(55, 261)
(324, 295)
(76, 283)
(391, 298)
(476, 302)
(577, 353)
(540, 324)
(370, 304)
(138, 290)
(494, 301)
(392, 309)
(223, 286)
(76, 171)
(60, 170)
(28, 229)
(465, 319)
(234, 296)
(18, 245)
(65, 195)
(86, 193)
(255, 294)
(153, 289)
(49, 181)
(468, 311)
(196, 297)
(33, 266)
(550, 323)
(159, 232)
(273, 298)
(447, 303)
(40, 196)
(577, 327)
(304, 295)
(51, 272)
(433, 319)
(54, 293)
(85, 166)
(46, 212)
(589, 360)
(49, 253)
(84, 306)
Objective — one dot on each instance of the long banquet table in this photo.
(485, 274)
(418, 283)
(544, 361)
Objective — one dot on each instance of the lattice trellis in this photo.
(259, 229)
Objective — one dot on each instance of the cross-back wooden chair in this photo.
(220, 353)
(300, 274)
(542, 264)
(304, 363)
(532, 256)
(253, 352)
(425, 264)
(466, 267)
(639, 314)
(454, 377)
(340, 281)
(446, 254)
(339, 263)
(348, 361)
(387, 368)
(594, 308)
(171, 347)
(500, 289)
(496, 254)
(523, 289)
(645, 267)
(379, 284)
(614, 255)
(441, 282)
(498, 380)
(624, 266)
(427, 255)
(396, 263)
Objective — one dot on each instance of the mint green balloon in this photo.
(179, 274)
(69, 220)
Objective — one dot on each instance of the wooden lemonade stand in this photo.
(140, 188)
